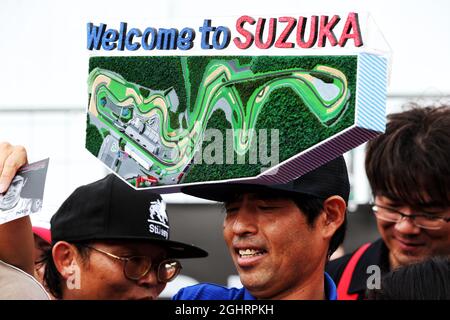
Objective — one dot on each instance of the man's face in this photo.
(409, 243)
(103, 278)
(12, 196)
(272, 246)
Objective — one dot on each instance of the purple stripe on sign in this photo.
(298, 165)
(316, 157)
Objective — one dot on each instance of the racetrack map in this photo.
(143, 144)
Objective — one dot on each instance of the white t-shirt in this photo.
(16, 284)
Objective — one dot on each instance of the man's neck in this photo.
(312, 289)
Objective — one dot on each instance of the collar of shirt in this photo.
(377, 254)
(330, 290)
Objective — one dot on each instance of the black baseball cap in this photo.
(325, 181)
(109, 209)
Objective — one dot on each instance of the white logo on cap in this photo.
(158, 210)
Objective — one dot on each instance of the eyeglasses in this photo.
(425, 221)
(136, 267)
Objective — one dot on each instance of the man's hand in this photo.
(11, 159)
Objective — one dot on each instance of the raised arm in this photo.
(16, 237)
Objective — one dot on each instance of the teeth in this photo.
(249, 252)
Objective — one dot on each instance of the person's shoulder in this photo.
(367, 254)
(16, 284)
(336, 267)
(209, 291)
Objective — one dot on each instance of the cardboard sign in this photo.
(168, 121)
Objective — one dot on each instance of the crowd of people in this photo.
(280, 237)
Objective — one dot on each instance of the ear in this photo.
(65, 258)
(333, 215)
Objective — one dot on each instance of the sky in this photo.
(43, 47)
(44, 61)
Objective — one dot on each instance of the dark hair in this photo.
(426, 280)
(52, 277)
(410, 162)
(311, 206)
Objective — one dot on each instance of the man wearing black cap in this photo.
(280, 236)
(112, 242)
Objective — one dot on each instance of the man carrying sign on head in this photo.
(281, 236)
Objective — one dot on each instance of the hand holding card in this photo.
(22, 189)
(11, 159)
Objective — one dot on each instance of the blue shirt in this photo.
(209, 291)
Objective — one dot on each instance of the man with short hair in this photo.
(280, 236)
(408, 168)
(110, 241)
